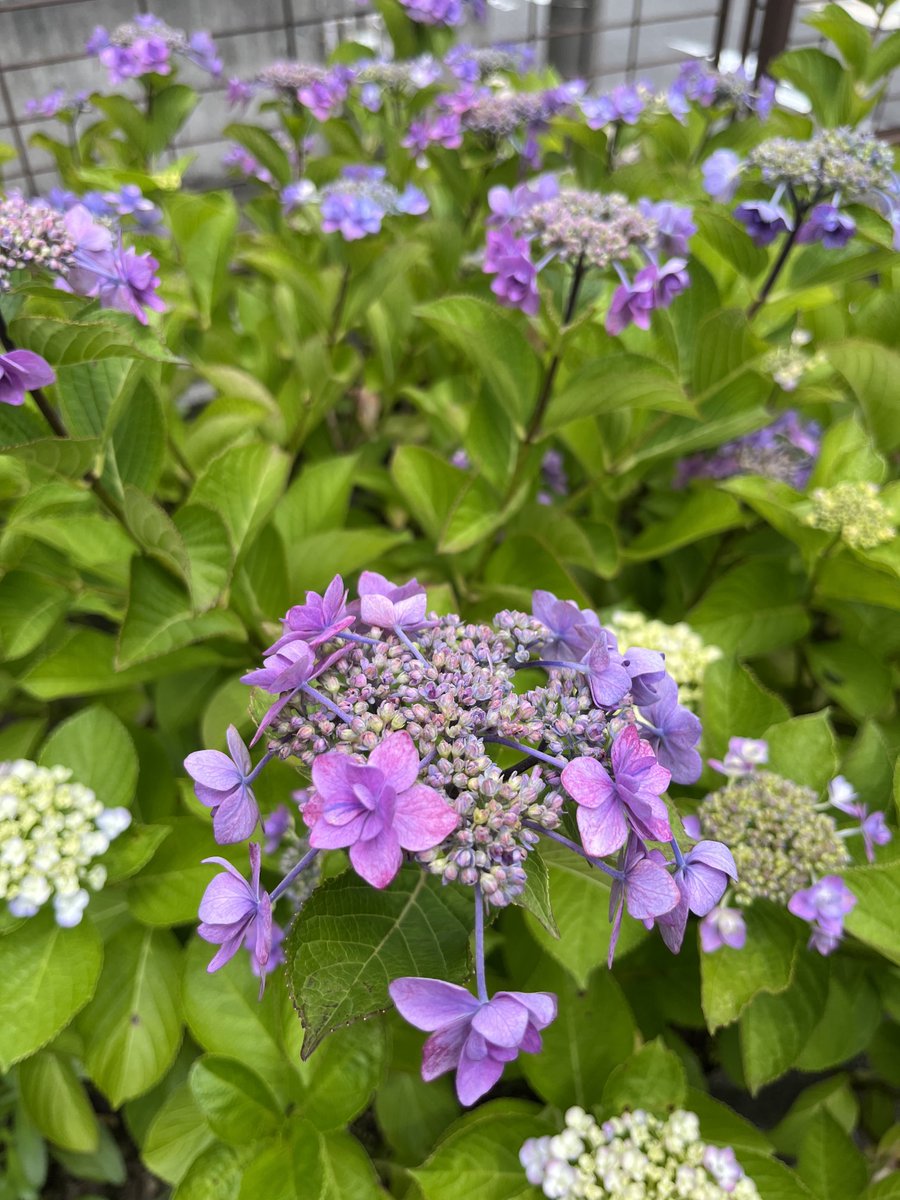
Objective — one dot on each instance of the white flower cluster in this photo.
(687, 655)
(633, 1157)
(50, 830)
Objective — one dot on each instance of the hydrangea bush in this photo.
(448, 595)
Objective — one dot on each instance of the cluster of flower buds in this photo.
(85, 255)
(786, 450)
(357, 202)
(404, 720)
(854, 511)
(146, 45)
(635, 1156)
(811, 179)
(51, 831)
(589, 230)
(787, 846)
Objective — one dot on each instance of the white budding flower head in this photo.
(51, 830)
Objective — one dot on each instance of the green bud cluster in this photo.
(778, 839)
(855, 511)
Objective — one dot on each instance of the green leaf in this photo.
(87, 393)
(754, 608)
(105, 1165)
(873, 373)
(701, 515)
(139, 439)
(884, 58)
(722, 1127)
(773, 1179)
(98, 750)
(774, 1028)
(237, 1104)
(318, 499)
(829, 1161)
(154, 529)
(57, 1102)
(613, 382)
(30, 606)
(804, 746)
(574, 1064)
(580, 905)
(736, 704)
(263, 147)
(168, 890)
(429, 484)
(857, 680)
(479, 1158)
(337, 1083)
(132, 1027)
(730, 979)
(494, 344)
(414, 927)
(822, 79)
(874, 919)
(314, 561)
(177, 1135)
(160, 617)
(653, 1078)
(849, 1020)
(46, 975)
(79, 342)
(535, 896)
(306, 1163)
(725, 347)
(209, 552)
(132, 850)
(847, 35)
(69, 458)
(226, 1017)
(203, 229)
(728, 238)
(243, 485)
(214, 1175)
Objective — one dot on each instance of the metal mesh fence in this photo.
(605, 41)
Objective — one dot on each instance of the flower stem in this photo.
(546, 392)
(786, 247)
(579, 850)
(292, 875)
(315, 694)
(479, 946)
(267, 757)
(410, 645)
(529, 750)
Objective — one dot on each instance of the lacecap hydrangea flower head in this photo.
(787, 846)
(635, 1156)
(51, 831)
(538, 223)
(146, 45)
(423, 746)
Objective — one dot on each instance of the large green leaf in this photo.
(580, 897)
(168, 890)
(413, 927)
(203, 228)
(479, 1158)
(873, 373)
(575, 1063)
(160, 617)
(306, 1163)
(30, 606)
(821, 78)
(57, 1102)
(98, 749)
(653, 1078)
(730, 979)
(243, 485)
(318, 499)
(613, 382)
(132, 1027)
(336, 1084)
(494, 344)
(735, 704)
(752, 609)
(804, 749)
(154, 529)
(774, 1028)
(829, 1161)
(874, 919)
(238, 1105)
(209, 551)
(71, 341)
(701, 515)
(46, 975)
(177, 1135)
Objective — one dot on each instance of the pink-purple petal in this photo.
(377, 860)
(422, 818)
(431, 1004)
(502, 1021)
(397, 757)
